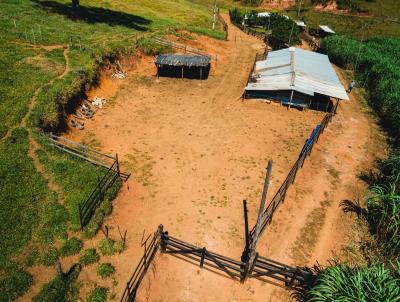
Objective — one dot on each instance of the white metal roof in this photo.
(326, 29)
(300, 70)
(263, 14)
(300, 23)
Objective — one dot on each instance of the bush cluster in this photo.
(88, 256)
(105, 270)
(376, 67)
(109, 247)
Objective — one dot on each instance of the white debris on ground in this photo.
(118, 74)
(98, 102)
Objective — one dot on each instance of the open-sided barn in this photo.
(184, 66)
(296, 77)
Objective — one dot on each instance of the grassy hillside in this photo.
(33, 36)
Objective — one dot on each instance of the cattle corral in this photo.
(196, 151)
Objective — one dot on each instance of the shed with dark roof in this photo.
(184, 66)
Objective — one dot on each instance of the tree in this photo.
(284, 31)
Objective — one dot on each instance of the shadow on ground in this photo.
(92, 15)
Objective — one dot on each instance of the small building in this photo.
(325, 30)
(264, 15)
(297, 78)
(300, 24)
(183, 66)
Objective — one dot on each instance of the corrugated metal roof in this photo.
(300, 70)
(264, 14)
(326, 29)
(300, 23)
(183, 60)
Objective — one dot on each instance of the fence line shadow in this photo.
(92, 15)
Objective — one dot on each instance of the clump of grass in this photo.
(49, 258)
(14, 281)
(109, 247)
(70, 247)
(98, 294)
(32, 257)
(343, 283)
(105, 270)
(88, 256)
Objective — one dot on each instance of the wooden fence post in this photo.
(163, 240)
(246, 225)
(80, 216)
(250, 255)
(116, 159)
(203, 255)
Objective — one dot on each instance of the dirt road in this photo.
(196, 151)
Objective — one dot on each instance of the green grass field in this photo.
(33, 217)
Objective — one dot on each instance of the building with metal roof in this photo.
(183, 60)
(188, 66)
(326, 29)
(300, 23)
(295, 76)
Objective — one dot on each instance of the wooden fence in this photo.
(281, 193)
(224, 25)
(133, 284)
(214, 261)
(86, 153)
(272, 271)
(264, 269)
(184, 48)
(260, 35)
(96, 157)
(88, 208)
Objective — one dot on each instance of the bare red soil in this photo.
(196, 150)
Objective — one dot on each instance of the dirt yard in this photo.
(196, 150)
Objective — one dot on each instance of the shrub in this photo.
(49, 257)
(109, 247)
(70, 247)
(344, 283)
(105, 270)
(88, 256)
(98, 294)
(375, 64)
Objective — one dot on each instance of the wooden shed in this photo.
(183, 66)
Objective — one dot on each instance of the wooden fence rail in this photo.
(224, 25)
(133, 284)
(269, 270)
(264, 269)
(172, 245)
(88, 208)
(82, 151)
(86, 153)
(281, 193)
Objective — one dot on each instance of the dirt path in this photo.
(41, 274)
